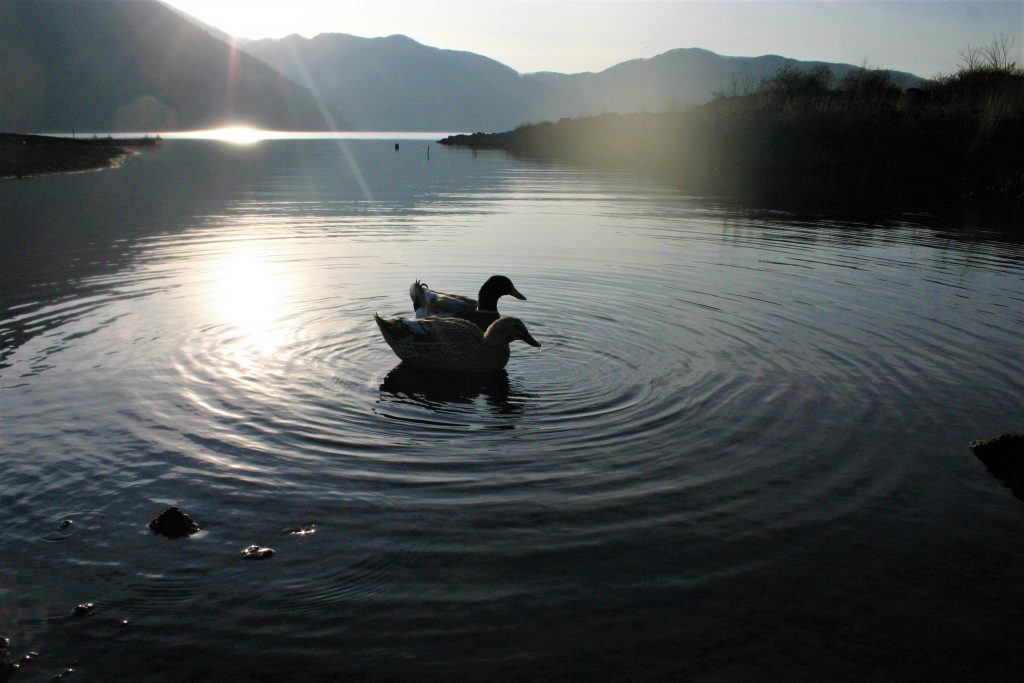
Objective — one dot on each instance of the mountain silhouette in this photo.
(677, 79)
(395, 83)
(105, 65)
(101, 65)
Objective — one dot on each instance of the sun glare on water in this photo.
(248, 294)
(238, 135)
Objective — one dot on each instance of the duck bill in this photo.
(516, 294)
(531, 341)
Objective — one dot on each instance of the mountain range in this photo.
(395, 83)
(104, 65)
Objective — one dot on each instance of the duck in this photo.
(453, 344)
(482, 311)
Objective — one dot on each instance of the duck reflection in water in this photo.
(441, 391)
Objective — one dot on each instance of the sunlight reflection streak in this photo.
(332, 123)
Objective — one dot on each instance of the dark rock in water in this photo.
(28, 657)
(65, 524)
(1003, 455)
(84, 608)
(67, 672)
(1002, 447)
(173, 523)
(7, 665)
(254, 552)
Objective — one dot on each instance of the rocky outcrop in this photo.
(1003, 455)
(173, 523)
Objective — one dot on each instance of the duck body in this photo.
(482, 311)
(453, 344)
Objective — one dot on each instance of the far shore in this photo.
(805, 139)
(23, 156)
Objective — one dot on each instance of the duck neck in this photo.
(487, 300)
(498, 335)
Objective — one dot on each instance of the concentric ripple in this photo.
(720, 394)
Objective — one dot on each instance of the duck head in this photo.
(496, 287)
(508, 329)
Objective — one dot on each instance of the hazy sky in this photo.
(923, 37)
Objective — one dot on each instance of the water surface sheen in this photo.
(740, 454)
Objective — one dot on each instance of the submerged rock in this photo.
(173, 523)
(1002, 448)
(255, 552)
(84, 608)
(1003, 455)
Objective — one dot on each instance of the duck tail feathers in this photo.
(419, 292)
(423, 300)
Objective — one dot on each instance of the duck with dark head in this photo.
(482, 311)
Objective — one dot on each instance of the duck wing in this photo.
(452, 304)
(416, 338)
(445, 330)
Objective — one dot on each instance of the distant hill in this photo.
(395, 83)
(103, 65)
(676, 79)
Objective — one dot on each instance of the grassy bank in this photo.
(805, 138)
(28, 155)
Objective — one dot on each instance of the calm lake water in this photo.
(741, 453)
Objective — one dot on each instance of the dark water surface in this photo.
(741, 453)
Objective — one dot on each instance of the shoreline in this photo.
(27, 156)
(812, 163)
(802, 140)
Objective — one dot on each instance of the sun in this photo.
(246, 18)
